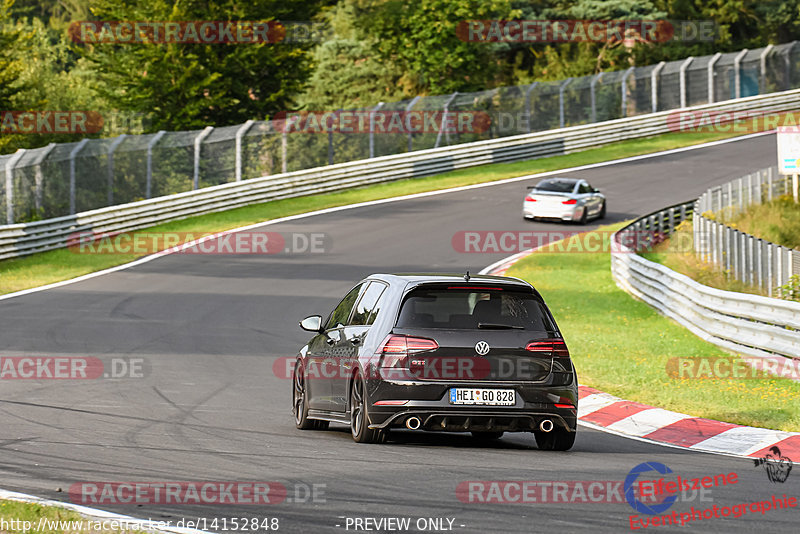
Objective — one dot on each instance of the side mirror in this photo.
(312, 324)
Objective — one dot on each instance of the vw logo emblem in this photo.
(482, 348)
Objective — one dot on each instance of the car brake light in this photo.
(530, 199)
(553, 347)
(396, 349)
(564, 406)
(570, 201)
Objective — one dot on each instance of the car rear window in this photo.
(558, 186)
(468, 309)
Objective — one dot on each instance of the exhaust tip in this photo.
(546, 425)
(413, 423)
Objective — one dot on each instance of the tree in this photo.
(190, 85)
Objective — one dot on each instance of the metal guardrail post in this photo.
(682, 79)
(198, 143)
(711, 63)
(10, 164)
(530, 88)
(444, 117)
(561, 88)
(110, 166)
(38, 197)
(654, 78)
(592, 84)
(149, 178)
(237, 168)
(624, 89)
(737, 72)
(763, 64)
(73, 153)
(408, 110)
(371, 131)
(284, 152)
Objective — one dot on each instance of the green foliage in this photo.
(188, 86)
(790, 290)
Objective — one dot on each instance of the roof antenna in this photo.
(466, 277)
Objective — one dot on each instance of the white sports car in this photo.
(566, 199)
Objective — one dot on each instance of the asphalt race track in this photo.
(210, 408)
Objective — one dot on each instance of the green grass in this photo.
(31, 512)
(677, 253)
(777, 221)
(53, 266)
(621, 346)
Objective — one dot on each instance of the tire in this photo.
(556, 440)
(359, 417)
(602, 214)
(487, 436)
(299, 404)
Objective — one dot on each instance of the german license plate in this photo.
(488, 397)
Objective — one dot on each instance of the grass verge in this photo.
(623, 346)
(30, 518)
(54, 266)
(777, 221)
(677, 253)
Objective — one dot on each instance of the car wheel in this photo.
(359, 417)
(555, 440)
(602, 211)
(487, 436)
(299, 404)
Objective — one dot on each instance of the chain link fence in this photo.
(747, 258)
(69, 178)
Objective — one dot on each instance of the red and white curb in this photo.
(647, 423)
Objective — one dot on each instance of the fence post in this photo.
(39, 177)
(624, 89)
(711, 63)
(237, 171)
(444, 116)
(73, 153)
(770, 271)
(198, 142)
(763, 63)
(110, 166)
(150, 145)
(284, 152)
(371, 134)
(595, 79)
(408, 109)
(654, 85)
(769, 184)
(10, 164)
(788, 65)
(737, 72)
(684, 66)
(561, 88)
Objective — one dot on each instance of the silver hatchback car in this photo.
(566, 199)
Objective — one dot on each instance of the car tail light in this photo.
(530, 199)
(395, 349)
(570, 201)
(549, 347)
(564, 406)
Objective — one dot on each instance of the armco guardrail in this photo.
(747, 258)
(742, 323)
(28, 238)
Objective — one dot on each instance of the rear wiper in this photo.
(499, 326)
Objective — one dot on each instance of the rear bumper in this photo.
(481, 420)
(572, 213)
